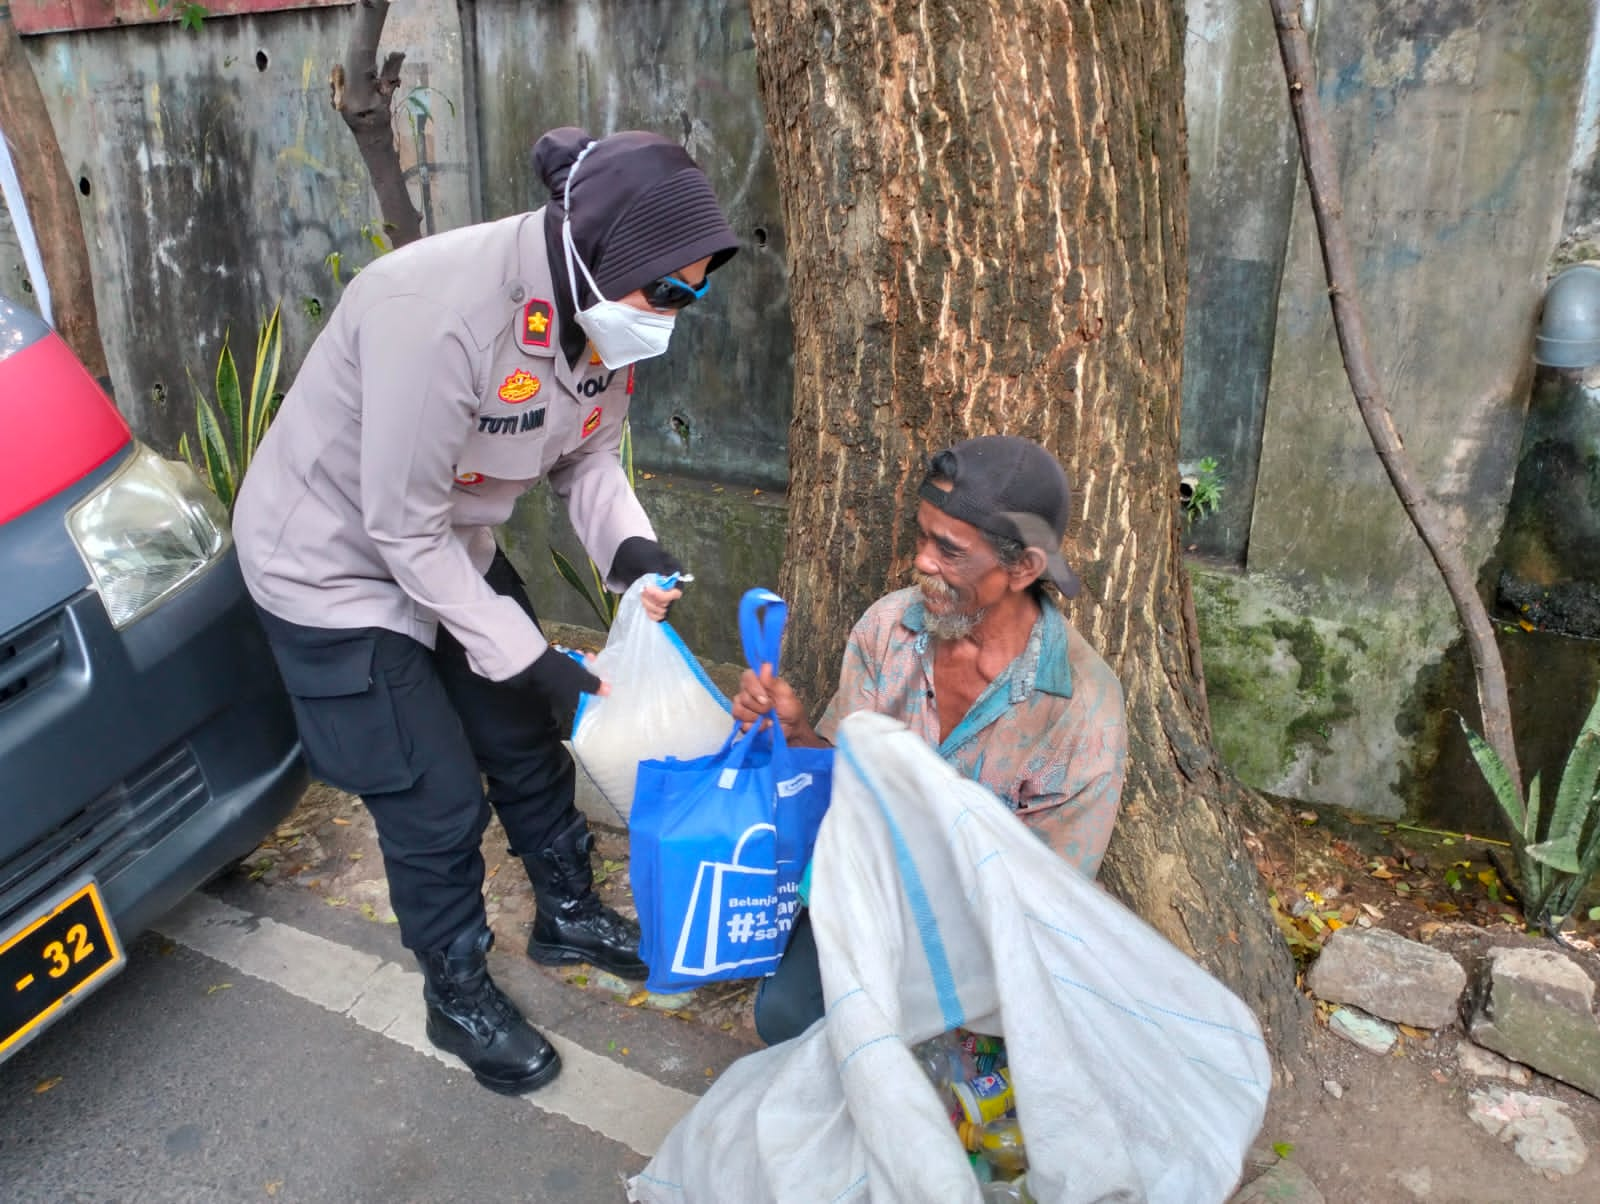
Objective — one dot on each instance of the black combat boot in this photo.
(572, 924)
(470, 1017)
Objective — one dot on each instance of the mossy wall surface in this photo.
(1305, 687)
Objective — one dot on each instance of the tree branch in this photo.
(363, 94)
(48, 192)
(1322, 180)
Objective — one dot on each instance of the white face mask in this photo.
(621, 334)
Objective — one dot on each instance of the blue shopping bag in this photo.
(719, 843)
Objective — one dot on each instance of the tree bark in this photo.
(1322, 182)
(986, 214)
(363, 93)
(52, 206)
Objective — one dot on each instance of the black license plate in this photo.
(53, 960)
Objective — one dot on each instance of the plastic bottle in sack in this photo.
(999, 1191)
(999, 1143)
(944, 1061)
(988, 1053)
(984, 1097)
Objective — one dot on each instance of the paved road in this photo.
(261, 1046)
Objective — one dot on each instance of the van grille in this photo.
(30, 657)
(118, 827)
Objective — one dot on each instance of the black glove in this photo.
(638, 556)
(561, 680)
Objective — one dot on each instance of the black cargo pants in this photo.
(410, 730)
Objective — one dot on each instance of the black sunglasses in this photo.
(671, 293)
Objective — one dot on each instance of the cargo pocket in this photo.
(349, 728)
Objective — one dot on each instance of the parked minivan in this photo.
(145, 739)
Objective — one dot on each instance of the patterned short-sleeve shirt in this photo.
(1047, 735)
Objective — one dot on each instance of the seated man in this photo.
(979, 660)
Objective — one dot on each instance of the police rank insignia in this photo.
(536, 324)
(470, 478)
(519, 387)
(592, 423)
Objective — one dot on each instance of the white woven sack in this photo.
(661, 704)
(1138, 1076)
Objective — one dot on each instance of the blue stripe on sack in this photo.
(846, 995)
(661, 1182)
(867, 1044)
(699, 671)
(944, 981)
(856, 1186)
(1227, 1074)
(1107, 1000)
(1071, 936)
(1227, 1028)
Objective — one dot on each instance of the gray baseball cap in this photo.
(1011, 487)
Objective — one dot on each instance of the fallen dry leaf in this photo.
(1416, 1034)
(44, 1085)
(1427, 931)
(343, 823)
(637, 998)
(221, 986)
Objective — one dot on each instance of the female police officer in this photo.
(454, 375)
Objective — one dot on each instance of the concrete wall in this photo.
(1242, 171)
(1450, 120)
(717, 407)
(214, 179)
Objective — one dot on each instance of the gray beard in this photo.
(950, 625)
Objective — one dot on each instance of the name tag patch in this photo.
(511, 424)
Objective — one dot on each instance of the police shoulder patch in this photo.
(519, 387)
(536, 315)
(592, 423)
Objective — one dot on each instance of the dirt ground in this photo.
(1397, 1129)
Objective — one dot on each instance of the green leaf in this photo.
(1560, 854)
(1594, 913)
(214, 448)
(1283, 1148)
(571, 577)
(229, 399)
(263, 385)
(1497, 776)
(193, 16)
(1575, 797)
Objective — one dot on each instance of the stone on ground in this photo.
(1358, 1028)
(1385, 974)
(1282, 1183)
(1537, 1007)
(1539, 1130)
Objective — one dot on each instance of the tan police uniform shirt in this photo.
(435, 398)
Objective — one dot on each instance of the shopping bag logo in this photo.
(794, 785)
(739, 915)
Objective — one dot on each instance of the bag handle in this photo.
(762, 615)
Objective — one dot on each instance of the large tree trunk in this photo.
(985, 207)
(52, 206)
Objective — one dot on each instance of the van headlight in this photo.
(147, 532)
